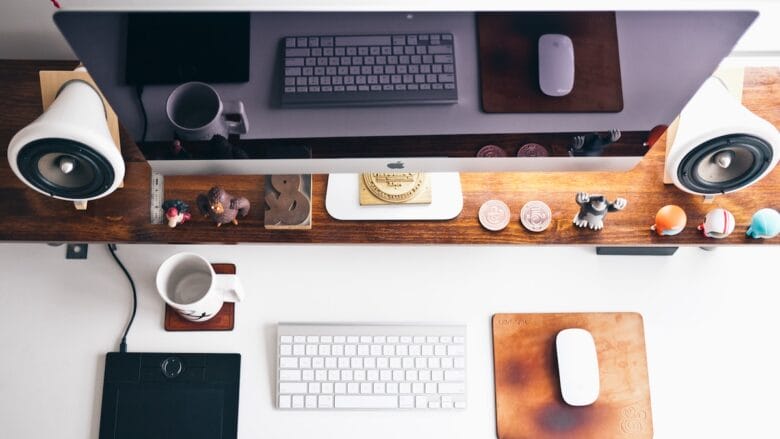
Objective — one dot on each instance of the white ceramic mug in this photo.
(197, 113)
(187, 282)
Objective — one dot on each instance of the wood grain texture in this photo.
(528, 395)
(124, 215)
(509, 62)
(224, 320)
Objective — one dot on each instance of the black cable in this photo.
(139, 92)
(123, 343)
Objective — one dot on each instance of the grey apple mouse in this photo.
(556, 64)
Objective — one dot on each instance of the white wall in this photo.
(27, 30)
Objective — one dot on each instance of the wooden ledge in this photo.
(124, 215)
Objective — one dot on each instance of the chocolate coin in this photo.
(491, 151)
(494, 215)
(532, 150)
(535, 216)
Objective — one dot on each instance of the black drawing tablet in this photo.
(170, 396)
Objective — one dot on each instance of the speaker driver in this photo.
(65, 168)
(724, 164)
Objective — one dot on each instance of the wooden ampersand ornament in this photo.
(290, 206)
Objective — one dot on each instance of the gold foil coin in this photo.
(394, 187)
(494, 215)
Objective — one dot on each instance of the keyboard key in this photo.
(325, 401)
(292, 388)
(439, 50)
(288, 363)
(365, 401)
(452, 388)
(311, 401)
(297, 401)
(455, 350)
(285, 401)
(455, 375)
(290, 375)
(363, 40)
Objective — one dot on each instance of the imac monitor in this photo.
(139, 57)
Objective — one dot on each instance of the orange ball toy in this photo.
(670, 220)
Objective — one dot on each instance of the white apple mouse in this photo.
(556, 64)
(578, 366)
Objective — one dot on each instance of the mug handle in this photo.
(235, 107)
(229, 285)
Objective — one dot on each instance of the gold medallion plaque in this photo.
(394, 188)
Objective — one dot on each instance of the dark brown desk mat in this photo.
(223, 321)
(509, 68)
(528, 395)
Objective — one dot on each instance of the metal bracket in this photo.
(76, 251)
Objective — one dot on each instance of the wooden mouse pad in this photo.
(509, 67)
(528, 395)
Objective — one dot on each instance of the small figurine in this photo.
(718, 224)
(221, 207)
(176, 212)
(670, 220)
(592, 145)
(764, 224)
(594, 208)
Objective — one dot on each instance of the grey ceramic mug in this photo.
(197, 113)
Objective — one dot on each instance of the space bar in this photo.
(364, 40)
(365, 402)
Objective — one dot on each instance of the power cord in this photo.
(139, 93)
(123, 343)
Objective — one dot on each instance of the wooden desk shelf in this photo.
(124, 215)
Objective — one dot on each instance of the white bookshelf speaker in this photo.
(719, 146)
(68, 152)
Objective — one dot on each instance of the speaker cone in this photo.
(724, 164)
(65, 168)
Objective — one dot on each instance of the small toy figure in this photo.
(221, 207)
(670, 220)
(764, 224)
(594, 208)
(592, 145)
(176, 212)
(718, 224)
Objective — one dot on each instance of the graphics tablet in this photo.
(170, 396)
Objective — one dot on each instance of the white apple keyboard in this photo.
(371, 366)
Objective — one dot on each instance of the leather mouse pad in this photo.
(528, 395)
(509, 67)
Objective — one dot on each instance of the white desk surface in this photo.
(710, 325)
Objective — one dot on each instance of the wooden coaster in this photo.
(529, 404)
(223, 321)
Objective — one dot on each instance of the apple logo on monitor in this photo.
(397, 165)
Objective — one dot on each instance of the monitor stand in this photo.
(342, 200)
